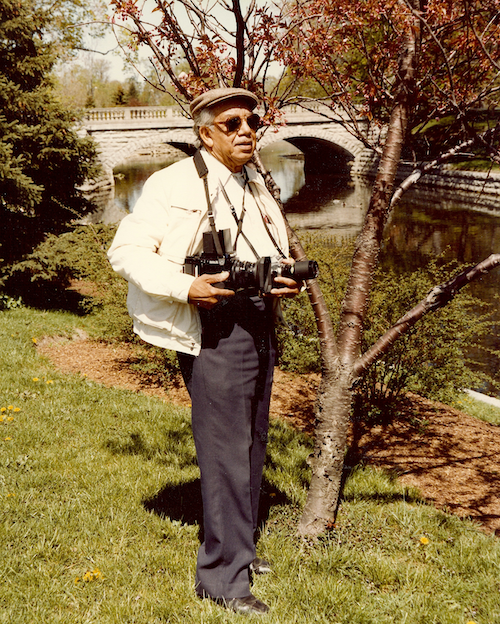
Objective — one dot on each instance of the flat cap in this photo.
(216, 96)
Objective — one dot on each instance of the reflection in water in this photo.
(333, 203)
(286, 163)
(422, 227)
(130, 178)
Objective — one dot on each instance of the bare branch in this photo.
(418, 172)
(240, 44)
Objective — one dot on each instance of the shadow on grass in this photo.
(177, 451)
(183, 503)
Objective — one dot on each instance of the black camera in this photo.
(249, 276)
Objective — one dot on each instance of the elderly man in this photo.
(224, 339)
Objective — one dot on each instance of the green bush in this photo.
(77, 260)
(53, 275)
(297, 339)
(432, 360)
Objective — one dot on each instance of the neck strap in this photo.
(202, 170)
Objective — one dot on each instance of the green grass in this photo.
(98, 523)
(478, 409)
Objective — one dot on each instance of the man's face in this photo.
(232, 137)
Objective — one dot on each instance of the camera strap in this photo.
(202, 170)
(264, 221)
(239, 222)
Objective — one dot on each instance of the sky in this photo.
(118, 69)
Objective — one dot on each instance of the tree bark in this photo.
(335, 394)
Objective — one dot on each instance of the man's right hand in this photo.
(203, 294)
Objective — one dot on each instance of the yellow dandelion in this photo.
(1, 418)
(7, 439)
(10, 495)
(10, 418)
(3, 409)
(17, 409)
(34, 340)
(471, 622)
(10, 407)
(35, 379)
(49, 381)
(424, 540)
(77, 580)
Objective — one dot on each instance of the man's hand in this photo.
(203, 295)
(291, 288)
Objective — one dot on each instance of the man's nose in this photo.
(245, 128)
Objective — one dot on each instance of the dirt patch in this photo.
(452, 458)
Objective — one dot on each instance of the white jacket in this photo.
(166, 225)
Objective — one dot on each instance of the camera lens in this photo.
(300, 271)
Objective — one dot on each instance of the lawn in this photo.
(101, 509)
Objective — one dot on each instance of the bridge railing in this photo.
(121, 118)
(133, 113)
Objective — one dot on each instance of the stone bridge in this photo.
(327, 144)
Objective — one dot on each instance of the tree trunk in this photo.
(335, 394)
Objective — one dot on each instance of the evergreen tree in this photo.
(42, 159)
(119, 98)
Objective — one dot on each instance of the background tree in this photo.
(42, 160)
(386, 71)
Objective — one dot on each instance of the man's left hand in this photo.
(290, 287)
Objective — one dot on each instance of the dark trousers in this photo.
(230, 387)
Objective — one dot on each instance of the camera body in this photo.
(254, 277)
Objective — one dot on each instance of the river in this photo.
(426, 224)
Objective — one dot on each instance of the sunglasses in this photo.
(234, 123)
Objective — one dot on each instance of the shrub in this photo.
(63, 267)
(71, 271)
(432, 360)
(297, 339)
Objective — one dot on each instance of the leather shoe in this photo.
(260, 566)
(248, 605)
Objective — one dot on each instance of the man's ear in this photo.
(206, 136)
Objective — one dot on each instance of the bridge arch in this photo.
(115, 147)
(326, 148)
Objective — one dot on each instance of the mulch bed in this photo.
(452, 458)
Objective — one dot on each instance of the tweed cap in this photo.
(216, 96)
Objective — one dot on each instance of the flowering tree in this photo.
(400, 66)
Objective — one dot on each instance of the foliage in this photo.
(62, 267)
(352, 50)
(432, 360)
(84, 83)
(101, 514)
(44, 277)
(42, 159)
(298, 337)
(194, 48)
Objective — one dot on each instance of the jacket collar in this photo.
(221, 173)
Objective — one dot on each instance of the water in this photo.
(426, 224)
